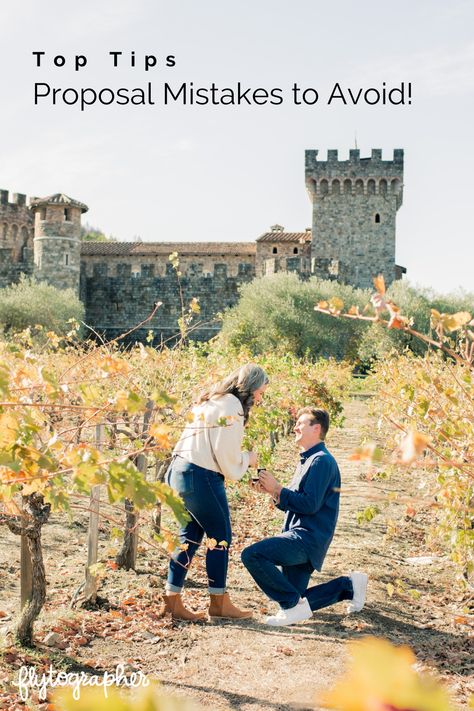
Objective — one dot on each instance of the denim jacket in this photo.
(311, 501)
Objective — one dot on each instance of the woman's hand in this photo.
(253, 459)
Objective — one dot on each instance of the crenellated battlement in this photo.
(355, 176)
(355, 167)
(17, 200)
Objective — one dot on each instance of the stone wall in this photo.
(117, 298)
(16, 238)
(278, 252)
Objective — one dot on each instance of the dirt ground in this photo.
(246, 665)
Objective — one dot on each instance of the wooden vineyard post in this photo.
(26, 584)
(126, 558)
(90, 589)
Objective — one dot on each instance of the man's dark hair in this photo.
(318, 417)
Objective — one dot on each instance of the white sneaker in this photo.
(359, 584)
(301, 611)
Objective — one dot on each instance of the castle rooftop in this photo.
(58, 199)
(277, 236)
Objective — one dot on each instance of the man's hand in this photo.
(270, 484)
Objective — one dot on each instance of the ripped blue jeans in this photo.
(205, 499)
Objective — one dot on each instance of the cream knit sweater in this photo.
(226, 439)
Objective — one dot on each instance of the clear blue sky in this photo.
(213, 173)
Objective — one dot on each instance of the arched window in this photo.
(347, 186)
(323, 187)
(383, 187)
(4, 231)
(371, 187)
(336, 187)
(14, 232)
(377, 218)
(311, 186)
(295, 250)
(359, 187)
(275, 250)
(395, 186)
(42, 213)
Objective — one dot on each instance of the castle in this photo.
(352, 239)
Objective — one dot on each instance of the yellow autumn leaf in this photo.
(148, 698)
(8, 429)
(452, 322)
(412, 445)
(381, 676)
(370, 451)
(336, 304)
(322, 304)
(379, 284)
(161, 434)
(211, 543)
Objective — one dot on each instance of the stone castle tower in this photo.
(355, 203)
(57, 240)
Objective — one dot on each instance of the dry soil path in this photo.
(249, 666)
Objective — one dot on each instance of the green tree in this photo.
(30, 303)
(277, 312)
(94, 234)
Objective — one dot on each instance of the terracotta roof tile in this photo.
(58, 199)
(285, 237)
(145, 249)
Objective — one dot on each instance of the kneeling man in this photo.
(282, 565)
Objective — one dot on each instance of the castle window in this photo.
(14, 232)
(5, 231)
(371, 187)
(336, 187)
(275, 250)
(323, 187)
(66, 259)
(42, 213)
(377, 218)
(395, 186)
(383, 187)
(347, 187)
(359, 187)
(67, 214)
(311, 185)
(295, 250)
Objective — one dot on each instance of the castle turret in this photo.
(354, 208)
(57, 240)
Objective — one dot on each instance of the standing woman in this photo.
(209, 451)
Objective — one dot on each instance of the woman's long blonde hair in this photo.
(242, 383)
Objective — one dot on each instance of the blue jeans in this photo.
(281, 567)
(203, 493)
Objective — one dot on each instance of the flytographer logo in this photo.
(29, 680)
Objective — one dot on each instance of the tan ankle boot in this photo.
(221, 606)
(174, 604)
